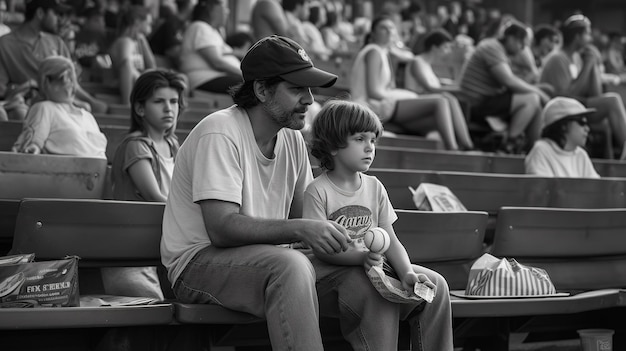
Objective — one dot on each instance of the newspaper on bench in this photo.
(390, 287)
(436, 198)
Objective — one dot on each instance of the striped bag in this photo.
(495, 277)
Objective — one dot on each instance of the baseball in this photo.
(377, 240)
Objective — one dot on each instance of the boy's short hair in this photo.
(544, 31)
(335, 122)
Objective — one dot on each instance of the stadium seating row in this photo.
(116, 126)
(102, 234)
(443, 160)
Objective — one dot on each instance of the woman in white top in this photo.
(209, 63)
(421, 78)
(130, 52)
(559, 152)
(372, 82)
(56, 125)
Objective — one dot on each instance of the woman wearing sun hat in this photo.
(560, 152)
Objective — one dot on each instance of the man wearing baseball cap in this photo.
(232, 227)
(560, 152)
(574, 71)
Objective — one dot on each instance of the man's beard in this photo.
(283, 117)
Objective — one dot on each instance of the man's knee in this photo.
(293, 263)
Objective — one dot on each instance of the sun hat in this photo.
(277, 56)
(56, 5)
(562, 107)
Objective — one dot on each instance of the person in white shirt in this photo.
(560, 152)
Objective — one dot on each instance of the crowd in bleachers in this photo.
(474, 79)
(433, 83)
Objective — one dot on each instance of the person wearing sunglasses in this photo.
(575, 71)
(560, 151)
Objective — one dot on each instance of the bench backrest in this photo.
(447, 242)
(579, 248)
(26, 175)
(100, 232)
(488, 192)
(9, 131)
(403, 157)
(126, 233)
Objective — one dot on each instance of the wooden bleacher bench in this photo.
(489, 191)
(114, 233)
(27, 175)
(446, 242)
(582, 250)
(402, 157)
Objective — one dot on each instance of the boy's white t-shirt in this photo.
(220, 160)
(356, 211)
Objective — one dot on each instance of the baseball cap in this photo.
(56, 5)
(277, 56)
(562, 107)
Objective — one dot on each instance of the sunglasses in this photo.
(582, 121)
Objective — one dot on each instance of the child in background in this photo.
(560, 151)
(144, 161)
(143, 165)
(344, 136)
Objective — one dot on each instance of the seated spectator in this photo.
(421, 78)
(614, 56)
(92, 41)
(56, 125)
(574, 71)
(331, 31)
(560, 151)
(143, 166)
(296, 12)
(130, 52)
(144, 161)
(489, 85)
(267, 18)
(166, 40)
(546, 40)
(4, 29)
(240, 42)
(206, 59)
(311, 28)
(23, 49)
(345, 133)
(372, 83)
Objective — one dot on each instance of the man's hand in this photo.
(325, 236)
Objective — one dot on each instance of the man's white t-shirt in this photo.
(220, 160)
